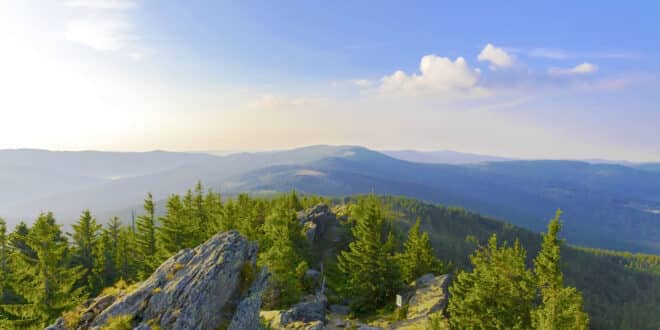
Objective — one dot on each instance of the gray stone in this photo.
(315, 220)
(339, 309)
(196, 289)
(246, 316)
(312, 309)
(429, 294)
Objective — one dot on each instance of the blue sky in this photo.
(558, 79)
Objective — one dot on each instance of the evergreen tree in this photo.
(417, 258)
(106, 268)
(43, 280)
(174, 232)
(213, 207)
(561, 306)
(127, 255)
(285, 266)
(228, 217)
(497, 294)
(18, 240)
(367, 264)
(85, 239)
(145, 239)
(4, 261)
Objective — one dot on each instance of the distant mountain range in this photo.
(606, 205)
(442, 157)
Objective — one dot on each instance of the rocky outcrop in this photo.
(429, 295)
(247, 316)
(308, 314)
(197, 288)
(315, 220)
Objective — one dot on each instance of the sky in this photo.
(555, 79)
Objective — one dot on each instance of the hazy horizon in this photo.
(524, 81)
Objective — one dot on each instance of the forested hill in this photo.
(620, 290)
(606, 205)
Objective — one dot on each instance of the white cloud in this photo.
(108, 34)
(498, 57)
(362, 83)
(273, 102)
(580, 69)
(104, 25)
(560, 54)
(437, 74)
(102, 4)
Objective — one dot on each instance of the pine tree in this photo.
(85, 239)
(127, 255)
(173, 234)
(4, 261)
(497, 294)
(367, 265)
(417, 258)
(18, 240)
(284, 264)
(106, 267)
(43, 279)
(561, 306)
(145, 239)
(213, 207)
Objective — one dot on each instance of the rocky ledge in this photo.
(200, 288)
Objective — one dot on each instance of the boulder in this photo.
(429, 294)
(196, 289)
(246, 316)
(311, 309)
(315, 220)
(339, 309)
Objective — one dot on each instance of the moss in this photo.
(156, 290)
(120, 286)
(247, 275)
(177, 267)
(169, 276)
(72, 317)
(122, 322)
(153, 324)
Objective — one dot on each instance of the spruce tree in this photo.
(418, 258)
(43, 279)
(127, 255)
(213, 207)
(4, 261)
(106, 268)
(367, 265)
(173, 233)
(85, 239)
(498, 293)
(561, 307)
(145, 239)
(284, 263)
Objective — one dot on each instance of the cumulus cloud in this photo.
(580, 69)
(497, 57)
(436, 74)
